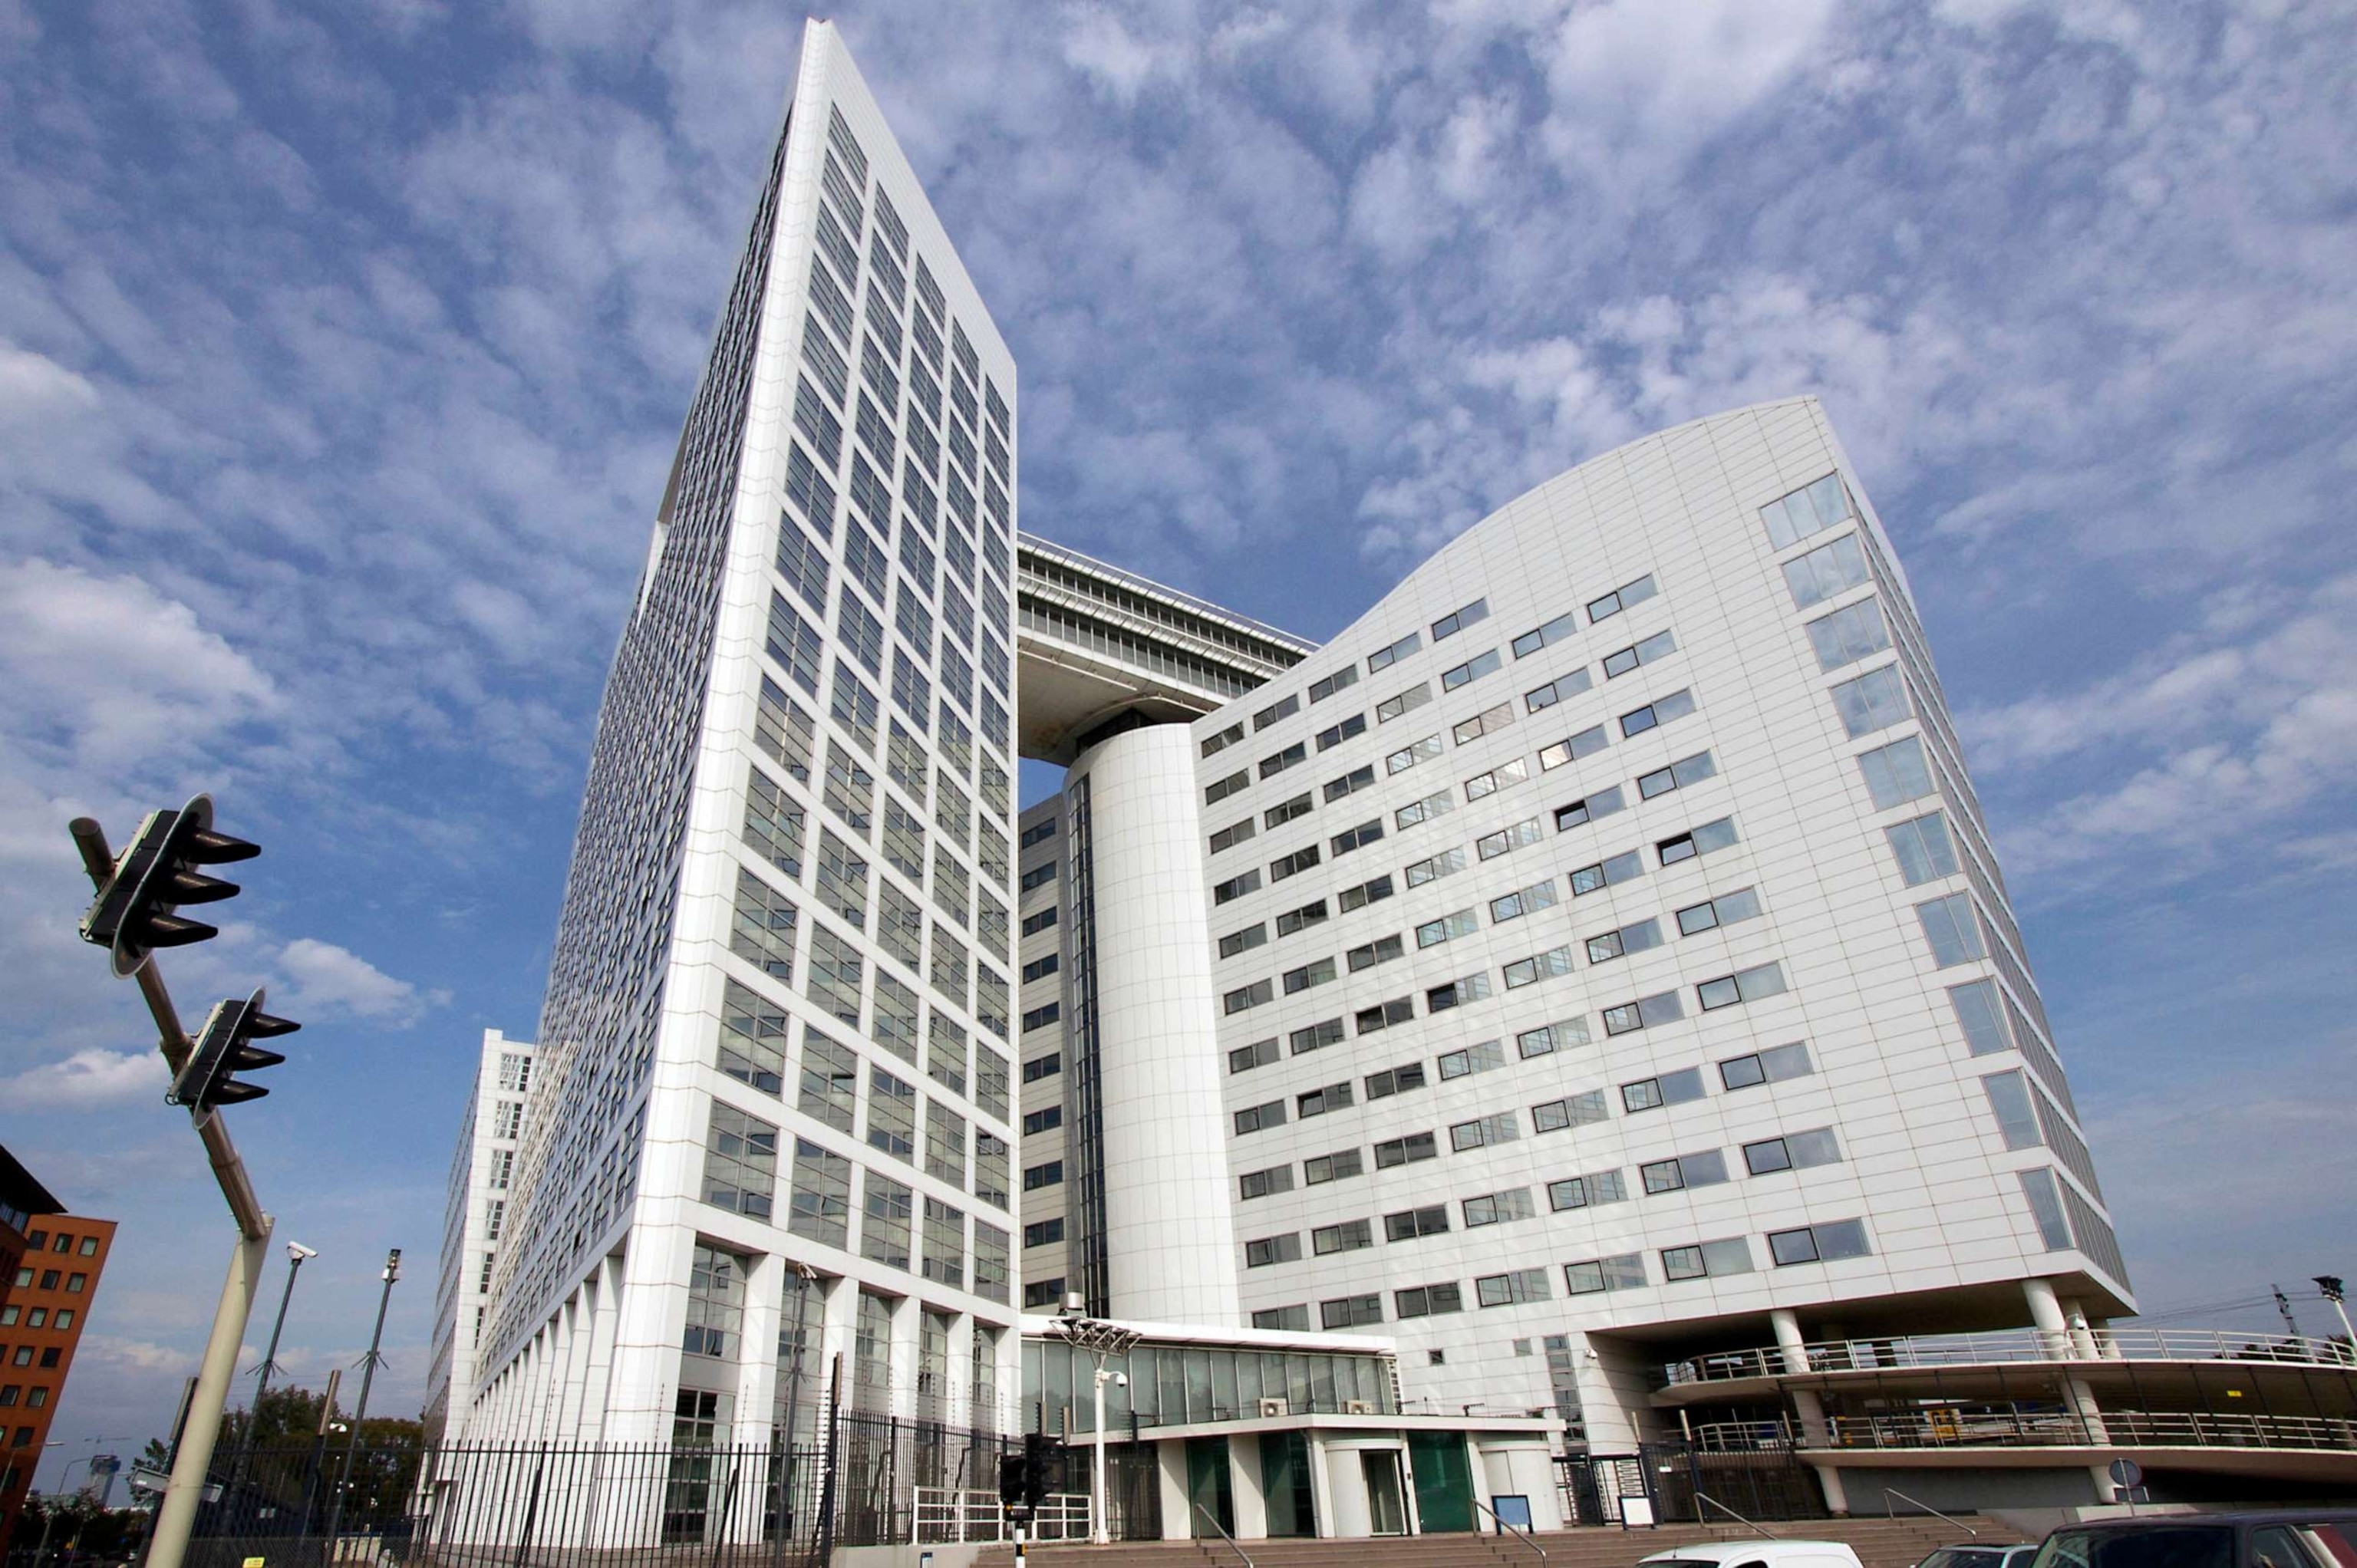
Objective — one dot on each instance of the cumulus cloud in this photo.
(326, 979)
(89, 1079)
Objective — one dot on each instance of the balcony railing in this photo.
(2014, 1346)
(1948, 1428)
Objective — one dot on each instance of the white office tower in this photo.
(474, 1217)
(775, 1041)
(1611, 961)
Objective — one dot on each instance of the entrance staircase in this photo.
(1879, 1542)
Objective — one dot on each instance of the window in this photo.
(1342, 843)
(1315, 1036)
(2017, 1119)
(1726, 910)
(1407, 1151)
(1502, 776)
(1483, 1132)
(1706, 1259)
(1432, 868)
(1472, 670)
(1039, 1017)
(1310, 974)
(1350, 1236)
(1286, 866)
(1876, 700)
(1505, 841)
(1220, 789)
(1676, 776)
(1036, 1176)
(1042, 967)
(1039, 832)
(1549, 965)
(2046, 1208)
(1949, 926)
(740, 1162)
(1823, 1242)
(1656, 713)
(1667, 1088)
(1425, 1301)
(1293, 1317)
(1263, 1184)
(1793, 1152)
(1586, 1191)
(1510, 1289)
(1773, 1065)
(1645, 1013)
(1639, 937)
(1215, 744)
(1923, 848)
(1480, 1058)
(1621, 598)
(1619, 662)
(1278, 815)
(1033, 924)
(1349, 783)
(1557, 690)
(1497, 1208)
(884, 1229)
(1424, 810)
(1382, 659)
(1277, 762)
(1824, 572)
(1232, 835)
(1412, 1224)
(1350, 1311)
(1267, 1250)
(1373, 891)
(1345, 677)
(1252, 936)
(1978, 1014)
(1260, 1053)
(1045, 1120)
(1037, 876)
(1623, 1271)
(1256, 1118)
(1039, 1067)
(1044, 1232)
(1849, 634)
(1276, 711)
(1546, 635)
(1587, 743)
(1488, 721)
(1407, 756)
(1339, 1165)
(1522, 901)
(1697, 842)
(1548, 1038)
(1745, 985)
(1293, 920)
(1603, 803)
(1395, 1080)
(1457, 620)
(1318, 1101)
(1811, 509)
(1896, 774)
(1234, 888)
(1043, 1293)
(892, 1114)
(1407, 702)
(1448, 928)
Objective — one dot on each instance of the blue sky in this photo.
(343, 350)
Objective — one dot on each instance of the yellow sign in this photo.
(253, 1563)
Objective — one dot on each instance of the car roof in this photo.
(2238, 1516)
(1731, 1551)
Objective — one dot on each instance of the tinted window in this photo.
(2171, 1546)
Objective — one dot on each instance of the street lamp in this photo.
(1099, 1338)
(2330, 1285)
(369, 1364)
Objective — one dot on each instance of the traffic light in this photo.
(1039, 1465)
(224, 1048)
(133, 912)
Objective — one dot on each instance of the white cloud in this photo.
(88, 1080)
(326, 979)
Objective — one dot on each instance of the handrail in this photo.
(1222, 1529)
(1894, 1492)
(2012, 1347)
(1528, 1539)
(1701, 1497)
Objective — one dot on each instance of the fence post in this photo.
(531, 1509)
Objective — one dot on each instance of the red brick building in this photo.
(49, 1266)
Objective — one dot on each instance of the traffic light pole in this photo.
(175, 1516)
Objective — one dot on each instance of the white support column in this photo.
(1814, 1433)
(1177, 1511)
(2054, 1330)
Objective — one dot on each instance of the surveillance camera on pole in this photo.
(133, 914)
(225, 1048)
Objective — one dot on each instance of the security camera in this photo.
(1121, 1380)
(296, 1252)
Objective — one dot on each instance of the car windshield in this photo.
(2170, 1546)
(1959, 1557)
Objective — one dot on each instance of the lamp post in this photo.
(1099, 1338)
(369, 1364)
(2330, 1285)
(297, 1255)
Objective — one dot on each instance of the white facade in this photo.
(777, 1031)
(474, 1217)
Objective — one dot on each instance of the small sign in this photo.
(2126, 1473)
(253, 1563)
(1637, 1512)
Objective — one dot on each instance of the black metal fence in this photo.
(540, 1505)
(1683, 1484)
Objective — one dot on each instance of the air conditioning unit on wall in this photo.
(1276, 1407)
(1357, 1407)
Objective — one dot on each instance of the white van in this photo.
(1756, 1555)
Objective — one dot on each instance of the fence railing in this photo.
(2014, 1346)
(2162, 1429)
(948, 1517)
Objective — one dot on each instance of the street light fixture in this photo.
(1100, 1338)
(2330, 1285)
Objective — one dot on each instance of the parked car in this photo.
(1983, 1555)
(2291, 1538)
(1756, 1555)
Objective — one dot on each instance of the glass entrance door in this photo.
(1386, 1505)
(1208, 1491)
(1444, 1481)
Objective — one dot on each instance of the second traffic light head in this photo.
(225, 1048)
